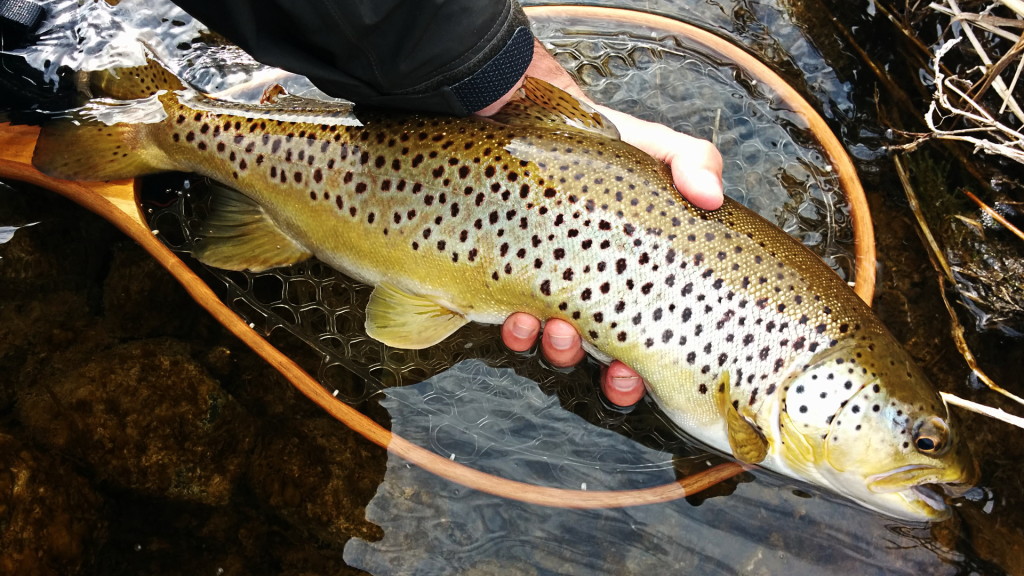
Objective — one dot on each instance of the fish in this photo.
(746, 340)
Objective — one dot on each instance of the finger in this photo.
(519, 331)
(697, 172)
(702, 187)
(621, 385)
(696, 164)
(560, 344)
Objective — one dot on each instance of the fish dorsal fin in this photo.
(403, 320)
(540, 103)
(748, 444)
(239, 235)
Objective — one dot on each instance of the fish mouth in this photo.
(922, 490)
(929, 496)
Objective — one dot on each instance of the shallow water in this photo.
(289, 486)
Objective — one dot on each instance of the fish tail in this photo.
(134, 82)
(109, 138)
(70, 149)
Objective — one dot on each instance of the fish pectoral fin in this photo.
(541, 103)
(403, 320)
(239, 235)
(797, 445)
(747, 443)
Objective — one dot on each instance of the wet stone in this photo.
(135, 289)
(312, 471)
(142, 416)
(50, 518)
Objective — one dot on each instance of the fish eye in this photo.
(931, 437)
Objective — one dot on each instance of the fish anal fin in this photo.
(747, 443)
(403, 320)
(239, 235)
(541, 103)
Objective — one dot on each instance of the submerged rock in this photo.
(142, 416)
(50, 519)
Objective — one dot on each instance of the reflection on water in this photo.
(298, 483)
(501, 423)
(8, 232)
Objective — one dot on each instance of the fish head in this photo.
(865, 421)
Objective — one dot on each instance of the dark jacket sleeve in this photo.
(449, 56)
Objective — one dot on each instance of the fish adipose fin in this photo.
(402, 320)
(748, 444)
(239, 235)
(543, 104)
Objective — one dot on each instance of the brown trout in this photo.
(747, 340)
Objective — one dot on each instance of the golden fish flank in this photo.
(747, 340)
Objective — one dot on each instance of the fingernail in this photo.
(561, 342)
(625, 383)
(521, 330)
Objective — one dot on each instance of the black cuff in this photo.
(495, 78)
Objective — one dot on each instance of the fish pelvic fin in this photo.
(541, 103)
(239, 235)
(404, 320)
(747, 443)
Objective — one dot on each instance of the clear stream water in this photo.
(179, 451)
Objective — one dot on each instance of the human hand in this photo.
(696, 164)
(561, 346)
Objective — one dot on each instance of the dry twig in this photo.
(957, 99)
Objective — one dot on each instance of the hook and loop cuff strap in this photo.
(24, 13)
(499, 75)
